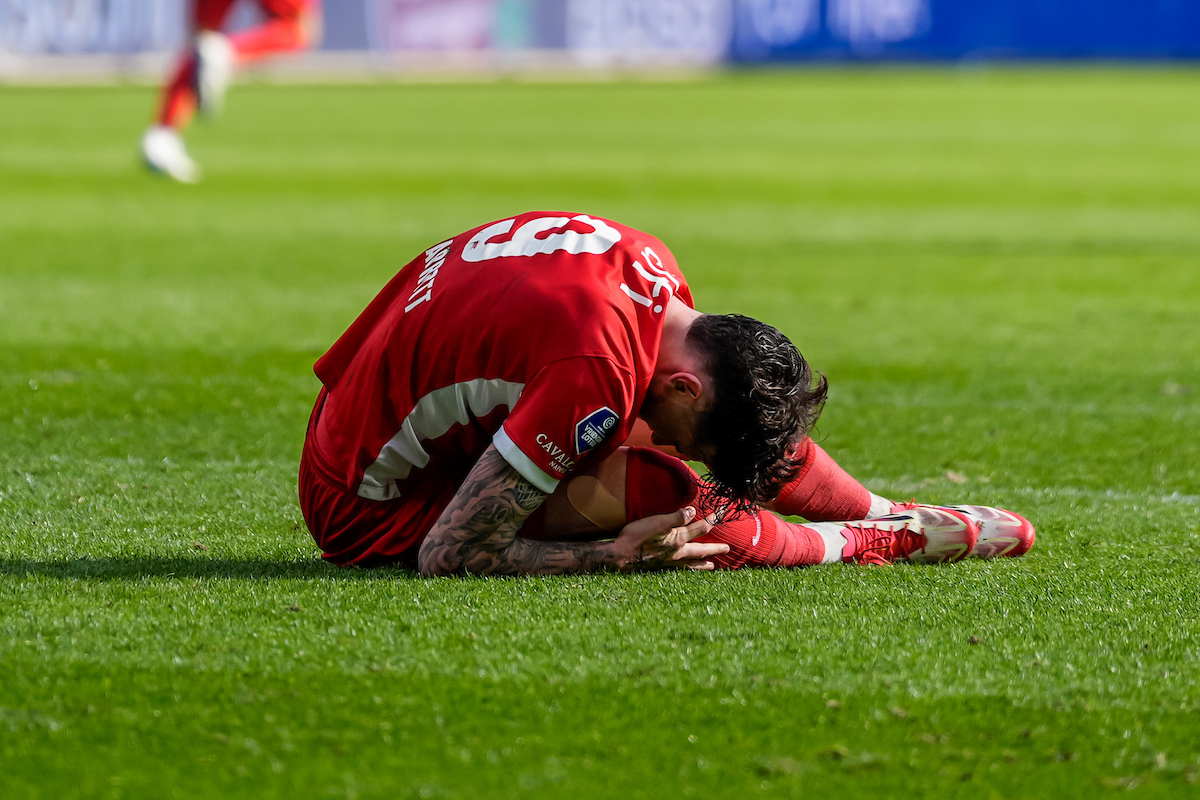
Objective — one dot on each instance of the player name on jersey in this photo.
(434, 258)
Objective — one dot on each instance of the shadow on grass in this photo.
(131, 568)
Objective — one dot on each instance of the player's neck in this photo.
(677, 319)
(674, 354)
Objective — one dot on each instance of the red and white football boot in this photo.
(921, 534)
(1001, 532)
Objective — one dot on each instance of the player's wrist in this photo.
(625, 554)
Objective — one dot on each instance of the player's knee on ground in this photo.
(656, 483)
(599, 500)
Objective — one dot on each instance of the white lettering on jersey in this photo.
(656, 264)
(527, 241)
(434, 258)
(561, 461)
(659, 278)
(433, 415)
(637, 297)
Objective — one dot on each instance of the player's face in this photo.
(674, 424)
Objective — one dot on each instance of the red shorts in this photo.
(352, 530)
(211, 14)
(368, 533)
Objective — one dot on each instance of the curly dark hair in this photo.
(765, 400)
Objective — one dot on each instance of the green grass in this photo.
(996, 269)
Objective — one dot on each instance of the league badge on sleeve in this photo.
(592, 430)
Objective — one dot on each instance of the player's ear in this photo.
(687, 386)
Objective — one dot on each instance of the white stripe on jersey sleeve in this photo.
(433, 415)
(522, 463)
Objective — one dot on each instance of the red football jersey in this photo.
(538, 333)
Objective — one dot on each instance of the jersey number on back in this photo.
(543, 235)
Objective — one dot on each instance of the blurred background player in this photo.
(204, 73)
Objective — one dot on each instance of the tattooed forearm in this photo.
(477, 533)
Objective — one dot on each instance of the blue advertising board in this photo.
(703, 30)
(965, 29)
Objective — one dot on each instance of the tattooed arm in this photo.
(477, 534)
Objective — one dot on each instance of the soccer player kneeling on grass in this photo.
(488, 414)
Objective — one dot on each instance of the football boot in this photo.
(921, 534)
(1001, 532)
(163, 152)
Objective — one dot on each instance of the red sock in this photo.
(277, 35)
(179, 98)
(823, 490)
(762, 539)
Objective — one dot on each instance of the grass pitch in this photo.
(997, 271)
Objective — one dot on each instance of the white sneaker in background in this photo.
(163, 151)
(214, 71)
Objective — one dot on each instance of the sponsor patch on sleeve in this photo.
(592, 430)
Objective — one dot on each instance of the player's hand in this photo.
(665, 542)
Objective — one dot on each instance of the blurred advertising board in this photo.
(595, 29)
(91, 26)
(585, 30)
(601, 31)
(431, 24)
(606, 29)
(964, 29)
